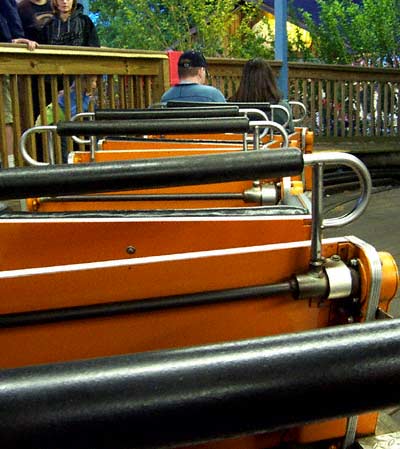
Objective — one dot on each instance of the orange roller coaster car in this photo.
(95, 284)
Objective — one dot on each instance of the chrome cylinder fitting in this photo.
(339, 278)
(332, 280)
(263, 194)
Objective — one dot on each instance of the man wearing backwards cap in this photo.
(192, 71)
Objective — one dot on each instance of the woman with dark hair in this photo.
(258, 85)
(69, 26)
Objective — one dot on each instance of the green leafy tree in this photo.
(209, 25)
(350, 32)
(246, 42)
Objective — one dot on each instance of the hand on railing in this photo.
(31, 45)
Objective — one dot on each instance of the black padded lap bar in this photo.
(184, 396)
(147, 173)
(162, 126)
(261, 106)
(264, 106)
(142, 114)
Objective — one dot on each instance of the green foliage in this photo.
(298, 49)
(350, 33)
(246, 43)
(179, 25)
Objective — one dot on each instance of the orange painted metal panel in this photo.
(66, 286)
(118, 145)
(161, 276)
(46, 242)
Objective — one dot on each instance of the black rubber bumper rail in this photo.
(73, 179)
(157, 114)
(179, 397)
(161, 126)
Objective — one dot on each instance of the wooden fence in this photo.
(346, 101)
(342, 101)
(125, 79)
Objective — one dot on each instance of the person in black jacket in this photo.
(69, 26)
(11, 31)
(34, 15)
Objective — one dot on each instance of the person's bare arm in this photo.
(30, 44)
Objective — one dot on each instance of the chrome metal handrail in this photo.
(22, 144)
(302, 108)
(318, 161)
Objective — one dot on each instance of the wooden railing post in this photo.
(161, 82)
(3, 143)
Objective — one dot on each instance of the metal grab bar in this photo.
(281, 108)
(333, 158)
(273, 125)
(318, 161)
(92, 139)
(266, 124)
(262, 114)
(83, 115)
(24, 152)
(302, 108)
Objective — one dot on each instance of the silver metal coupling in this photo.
(265, 194)
(333, 281)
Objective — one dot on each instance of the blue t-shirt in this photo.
(193, 92)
